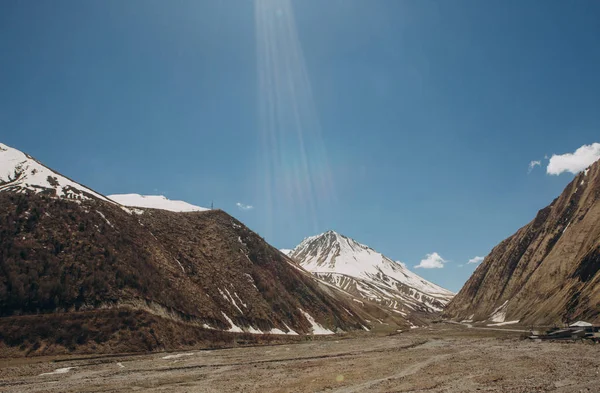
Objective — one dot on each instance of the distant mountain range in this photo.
(368, 275)
(546, 273)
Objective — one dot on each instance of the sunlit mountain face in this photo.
(368, 274)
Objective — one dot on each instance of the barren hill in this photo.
(80, 272)
(547, 272)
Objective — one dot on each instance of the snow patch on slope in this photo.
(252, 330)
(503, 323)
(234, 328)
(581, 324)
(155, 202)
(499, 314)
(317, 329)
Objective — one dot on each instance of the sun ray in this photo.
(295, 169)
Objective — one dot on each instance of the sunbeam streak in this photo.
(294, 164)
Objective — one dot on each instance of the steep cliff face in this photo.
(547, 272)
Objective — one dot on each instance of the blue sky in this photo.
(407, 125)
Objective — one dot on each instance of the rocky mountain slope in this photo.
(80, 272)
(368, 275)
(547, 272)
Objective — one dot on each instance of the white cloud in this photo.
(432, 261)
(575, 162)
(242, 206)
(475, 260)
(401, 264)
(532, 165)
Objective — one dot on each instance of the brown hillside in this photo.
(61, 257)
(547, 272)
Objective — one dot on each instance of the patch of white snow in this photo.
(155, 202)
(59, 370)
(581, 324)
(234, 328)
(499, 314)
(503, 323)
(179, 355)
(317, 329)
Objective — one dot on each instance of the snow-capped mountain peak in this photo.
(331, 255)
(335, 253)
(20, 172)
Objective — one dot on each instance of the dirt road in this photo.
(444, 358)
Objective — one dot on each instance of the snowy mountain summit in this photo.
(366, 273)
(20, 172)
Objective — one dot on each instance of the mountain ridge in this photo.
(21, 172)
(203, 275)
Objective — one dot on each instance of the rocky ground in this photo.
(443, 358)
